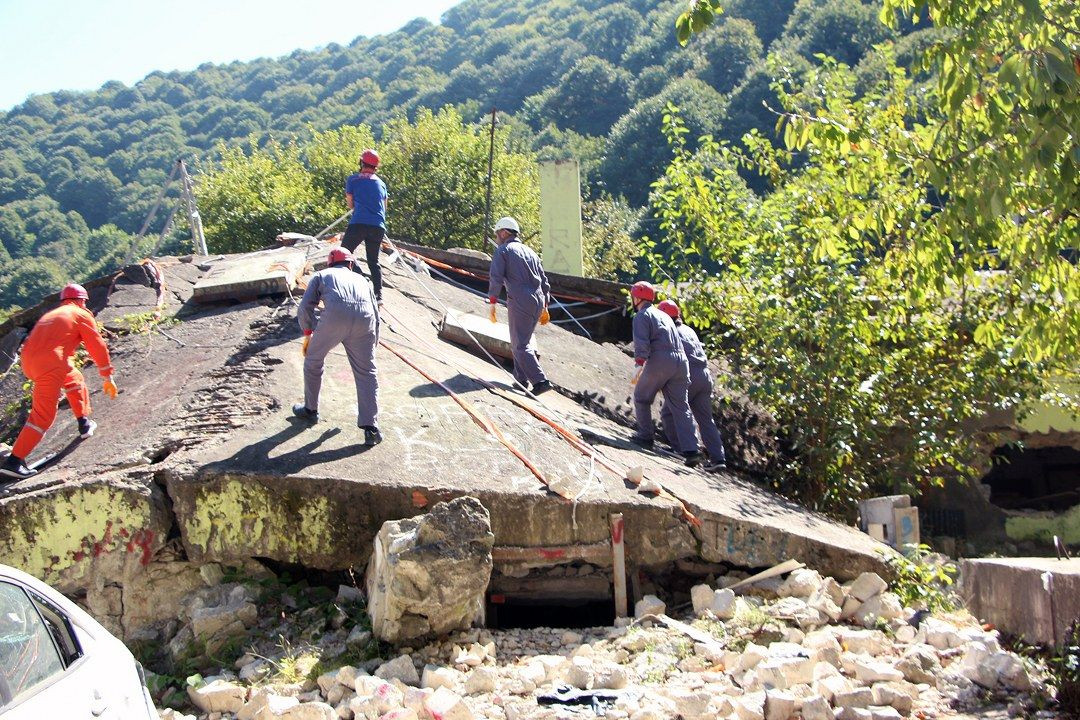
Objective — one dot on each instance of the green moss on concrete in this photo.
(1043, 528)
(62, 534)
(243, 515)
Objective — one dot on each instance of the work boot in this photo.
(86, 427)
(372, 436)
(715, 466)
(300, 410)
(541, 387)
(641, 441)
(15, 467)
(693, 458)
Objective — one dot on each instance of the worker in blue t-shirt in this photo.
(365, 193)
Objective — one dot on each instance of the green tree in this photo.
(609, 250)
(25, 282)
(590, 97)
(436, 168)
(251, 194)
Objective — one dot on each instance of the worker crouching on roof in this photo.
(365, 194)
(350, 317)
(517, 268)
(47, 362)
(663, 368)
(699, 394)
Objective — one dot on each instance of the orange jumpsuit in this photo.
(47, 362)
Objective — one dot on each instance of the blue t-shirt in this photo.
(369, 199)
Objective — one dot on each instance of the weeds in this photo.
(921, 583)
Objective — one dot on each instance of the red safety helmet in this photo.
(338, 254)
(370, 157)
(644, 290)
(669, 307)
(74, 291)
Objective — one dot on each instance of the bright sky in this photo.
(49, 45)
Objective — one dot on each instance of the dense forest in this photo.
(588, 78)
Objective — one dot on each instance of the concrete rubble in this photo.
(428, 574)
(761, 664)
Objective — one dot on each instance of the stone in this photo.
(940, 634)
(215, 624)
(269, 707)
(254, 671)
(823, 603)
(649, 605)
(885, 606)
(853, 713)
(689, 704)
(920, 665)
(723, 604)
(428, 574)
(349, 595)
(750, 706)
(580, 674)
(905, 634)
(609, 676)
(445, 704)
(346, 675)
(400, 714)
(358, 637)
(861, 697)
(436, 676)
(327, 681)
(816, 707)
(870, 671)
(218, 696)
(751, 655)
(211, 573)
(894, 695)
(866, 586)
(1010, 671)
(400, 668)
(480, 680)
(779, 705)
(336, 694)
(863, 642)
(571, 638)
(832, 686)
(800, 583)
(309, 711)
(701, 598)
(782, 673)
(883, 713)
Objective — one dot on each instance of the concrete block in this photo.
(867, 586)
(456, 327)
(263, 273)
(649, 605)
(1033, 597)
(447, 705)
(859, 697)
(779, 705)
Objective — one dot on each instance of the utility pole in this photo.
(491, 165)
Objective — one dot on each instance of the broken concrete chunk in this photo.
(859, 697)
(869, 671)
(218, 696)
(801, 584)
(447, 705)
(920, 664)
(480, 680)
(428, 574)
(867, 586)
(400, 668)
(308, 711)
(750, 706)
(816, 708)
(436, 676)
(779, 705)
(649, 605)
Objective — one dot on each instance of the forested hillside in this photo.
(80, 170)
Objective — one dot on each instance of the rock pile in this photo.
(811, 648)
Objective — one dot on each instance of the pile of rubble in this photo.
(807, 647)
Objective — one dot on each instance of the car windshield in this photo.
(28, 654)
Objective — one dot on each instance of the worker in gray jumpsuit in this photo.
(699, 394)
(517, 268)
(663, 368)
(350, 317)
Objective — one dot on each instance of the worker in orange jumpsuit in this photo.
(47, 362)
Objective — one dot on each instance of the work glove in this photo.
(109, 387)
(637, 375)
(304, 347)
(492, 316)
(545, 316)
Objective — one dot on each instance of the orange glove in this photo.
(545, 316)
(109, 388)
(492, 316)
(637, 375)
(303, 348)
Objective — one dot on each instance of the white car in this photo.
(58, 662)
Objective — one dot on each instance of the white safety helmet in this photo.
(507, 223)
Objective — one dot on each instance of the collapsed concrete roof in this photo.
(199, 452)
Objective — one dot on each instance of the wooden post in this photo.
(618, 563)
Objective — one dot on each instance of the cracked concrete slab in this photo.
(202, 443)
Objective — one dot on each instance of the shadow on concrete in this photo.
(460, 384)
(257, 457)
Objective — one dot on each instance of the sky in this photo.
(48, 45)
